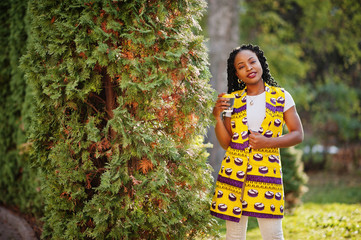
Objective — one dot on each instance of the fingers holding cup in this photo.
(221, 105)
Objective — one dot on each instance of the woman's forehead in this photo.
(245, 55)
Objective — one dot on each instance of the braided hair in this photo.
(233, 84)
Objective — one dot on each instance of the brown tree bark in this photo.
(110, 100)
(223, 30)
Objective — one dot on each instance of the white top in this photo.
(257, 112)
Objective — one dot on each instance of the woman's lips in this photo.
(252, 75)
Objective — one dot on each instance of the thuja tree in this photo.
(18, 181)
(121, 98)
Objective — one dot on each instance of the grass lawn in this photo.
(331, 210)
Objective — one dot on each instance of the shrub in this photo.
(121, 98)
(294, 177)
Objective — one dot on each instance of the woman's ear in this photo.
(237, 75)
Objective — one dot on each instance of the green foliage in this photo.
(331, 209)
(314, 51)
(314, 221)
(294, 177)
(19, 184)
(121, 98)
(271, 28)
(328, 188)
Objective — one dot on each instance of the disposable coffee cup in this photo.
(231, 102)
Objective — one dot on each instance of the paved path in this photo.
(13, 227)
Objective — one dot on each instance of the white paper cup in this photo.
(230, 97)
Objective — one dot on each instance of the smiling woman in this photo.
(252, 132)
(249, 70)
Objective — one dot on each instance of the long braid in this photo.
(233, 84)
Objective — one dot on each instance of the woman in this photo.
(250, 179)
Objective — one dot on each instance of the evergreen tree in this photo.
(121, 100)
(19, 184)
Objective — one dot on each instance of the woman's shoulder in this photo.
(276, 91)
(238, 93)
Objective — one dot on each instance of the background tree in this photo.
(335, 52)
(223, 32)
(121, 100)
(294, 177)
(315, 47)
(19, 184)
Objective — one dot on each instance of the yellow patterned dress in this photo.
(250, 181)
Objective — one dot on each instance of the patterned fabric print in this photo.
(263, 192)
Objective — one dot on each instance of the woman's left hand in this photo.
(293, 137)
(257, 140)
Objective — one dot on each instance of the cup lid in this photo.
(228, 95)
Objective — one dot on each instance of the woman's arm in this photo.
(294, 136)
(223, 127)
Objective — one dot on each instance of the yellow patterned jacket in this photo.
(250, 181)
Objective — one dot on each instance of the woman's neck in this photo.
(256, 89)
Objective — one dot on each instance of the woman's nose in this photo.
(249, 67)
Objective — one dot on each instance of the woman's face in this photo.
(248, 68)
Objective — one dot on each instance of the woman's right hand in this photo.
(221, 105)
(222, 128)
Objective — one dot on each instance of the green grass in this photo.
(331, 210)
(324, 221)
(333, 188)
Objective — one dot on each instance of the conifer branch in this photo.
(92, 106)
(97, 97)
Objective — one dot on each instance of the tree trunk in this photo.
(110, 100)
(223, 29)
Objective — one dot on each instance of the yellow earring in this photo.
(239, 81)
